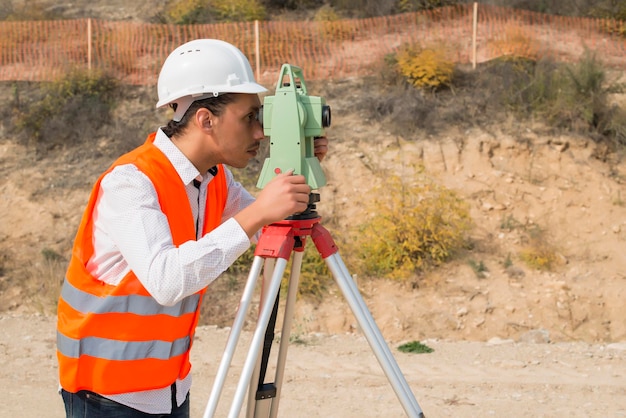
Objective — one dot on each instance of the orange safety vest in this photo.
(118, 339)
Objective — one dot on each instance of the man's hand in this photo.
(320, 147)
(283, 196)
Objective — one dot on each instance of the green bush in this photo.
(71, 109)
(573, 97)
(32, 10)
(187, 12)
(364, 8)
(291, 4)
(412, 227)
(405, 6)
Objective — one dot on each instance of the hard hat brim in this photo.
(247, 88)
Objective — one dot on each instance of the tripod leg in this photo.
(328, 250)
(263, 398)
(258, 375)
(373, 335)
(233, 337)
(292, 292)
(257, 338)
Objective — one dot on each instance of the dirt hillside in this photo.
(514, 180)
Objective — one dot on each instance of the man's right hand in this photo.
(285, 195)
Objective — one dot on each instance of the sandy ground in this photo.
(338, 376)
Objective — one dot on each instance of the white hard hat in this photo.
(203, 68)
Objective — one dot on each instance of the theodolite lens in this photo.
(325, 116)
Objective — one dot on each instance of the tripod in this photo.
(275, 247)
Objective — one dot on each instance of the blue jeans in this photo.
(85, 404)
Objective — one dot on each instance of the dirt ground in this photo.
(337, 376)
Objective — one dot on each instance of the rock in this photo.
(499, 341)
(621, 346)
(535, 336)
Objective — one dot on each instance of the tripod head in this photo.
(310, 212)
(292, 119)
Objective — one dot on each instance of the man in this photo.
(161, 224)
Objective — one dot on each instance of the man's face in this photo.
(237, 132)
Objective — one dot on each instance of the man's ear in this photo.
(204, 118)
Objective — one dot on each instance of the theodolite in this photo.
(292, 120)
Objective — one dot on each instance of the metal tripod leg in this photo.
(263, 398)
(262, 359)
(328, 250)
(294, 277)
(257, 338)
(373, 336)
(233, 337)
(275, 245)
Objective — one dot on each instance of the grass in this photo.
(415, 347)
(479, 268)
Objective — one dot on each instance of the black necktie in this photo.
(197, 184)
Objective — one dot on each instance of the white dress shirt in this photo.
(132, 233)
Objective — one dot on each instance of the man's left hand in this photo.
(320, 147)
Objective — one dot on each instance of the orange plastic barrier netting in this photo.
(134, 52)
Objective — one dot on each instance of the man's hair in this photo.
(215, 104)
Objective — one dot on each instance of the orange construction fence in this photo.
(473, 33)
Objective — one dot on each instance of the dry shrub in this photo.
(538, 253)
(539, 258)
(574, 97)
(516, 41)
(43, 281)
(331, 26)
(613, 27)
(425, 68)
(187, 12)
(413, 226)
(239, 10)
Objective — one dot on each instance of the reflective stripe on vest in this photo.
(118, 339)
(136, 304)
(121, 350)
